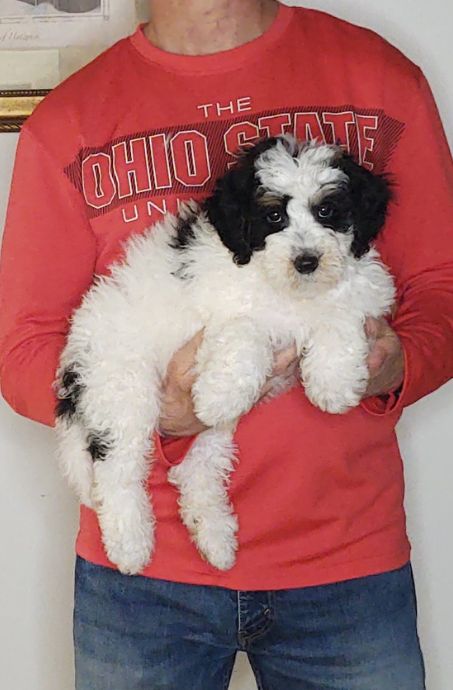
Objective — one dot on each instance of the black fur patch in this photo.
(368, 196)
(185, 234)
(234, 209)
(70, 392)
(266, 219)
(98, 446)
(183, 238)
(339, 208)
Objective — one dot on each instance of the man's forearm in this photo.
(424, 324)
(27, 374)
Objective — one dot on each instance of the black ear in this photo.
(370, 198)
(229, 207)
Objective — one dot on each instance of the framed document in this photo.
(44, 41)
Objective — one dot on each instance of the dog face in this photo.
(303, 211)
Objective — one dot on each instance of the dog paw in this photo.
(335, 405)
(221, 406)
(128, 536)
(215, 538)
(129, 559)
(334, 402)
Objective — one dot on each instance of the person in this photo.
(322, 593)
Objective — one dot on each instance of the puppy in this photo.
(280, 252)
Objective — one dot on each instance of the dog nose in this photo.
(306, 263)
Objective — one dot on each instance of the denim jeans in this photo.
(136, 633)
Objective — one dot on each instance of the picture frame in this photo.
(16, 106)
(42, 42)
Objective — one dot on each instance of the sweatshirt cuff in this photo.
(394, 402)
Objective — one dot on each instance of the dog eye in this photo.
(274, 217)
(325, 212)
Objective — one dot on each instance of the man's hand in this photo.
(177, 412)
(285, 363)
(385, 360)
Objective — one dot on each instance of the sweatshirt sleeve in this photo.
(47, 263)
(418, 248)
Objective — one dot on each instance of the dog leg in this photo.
(72, 452)
(123, 410)
(74, 459)
(205, 508)
(234, 361)
(333, 369)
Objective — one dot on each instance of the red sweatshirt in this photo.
(319, 497)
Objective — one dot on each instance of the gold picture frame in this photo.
(16, 106)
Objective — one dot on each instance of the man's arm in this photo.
(47, 263)
(418, 246)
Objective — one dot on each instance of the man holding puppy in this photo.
(322, 592)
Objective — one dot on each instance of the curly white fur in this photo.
(131, 323)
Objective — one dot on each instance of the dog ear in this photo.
(229, 207)
(370, 198)
(227, 210)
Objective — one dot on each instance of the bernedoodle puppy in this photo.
(280, 252)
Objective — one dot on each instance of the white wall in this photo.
(38, 521)
(38, 516)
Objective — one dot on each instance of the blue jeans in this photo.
(136, 633)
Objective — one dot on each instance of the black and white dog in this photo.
(281, 252)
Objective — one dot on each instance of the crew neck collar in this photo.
(214, 62)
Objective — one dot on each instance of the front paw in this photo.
(222, 405)
(335, 397)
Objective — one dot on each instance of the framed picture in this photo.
(44, 41)
(16, 106)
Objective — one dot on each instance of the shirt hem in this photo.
(288, 578)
